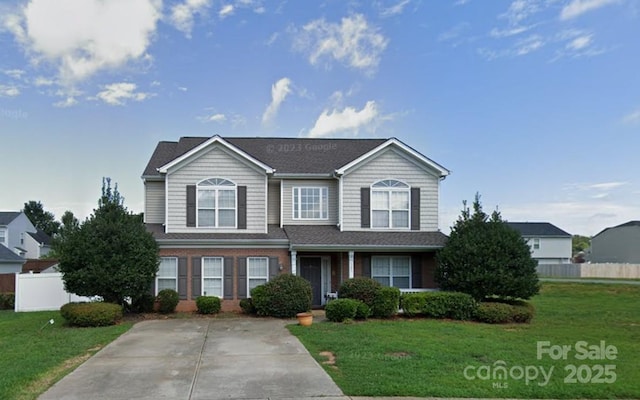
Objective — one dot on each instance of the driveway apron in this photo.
(243, 358)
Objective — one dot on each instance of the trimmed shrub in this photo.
(386, 302)
(454, 305)
(283, 296)
(413, 304)
(91, 314)
(7, 301)
(247, 306)
(167, 301)
(363, 311)
(340, 310)
(493, 313)
(143, 304)
(360, 288)
(208, 304)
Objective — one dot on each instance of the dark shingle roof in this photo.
(7, 216)
(626, 224)
(40, 237)
(538, 229)
(274, 233)
(286, 155)
(308, 235)
(7, 255)
(38, 266)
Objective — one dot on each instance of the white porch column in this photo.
(294, 266)
(351, 266)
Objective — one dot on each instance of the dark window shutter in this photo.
(152, 290)
(365, 207)
(242, 207)
(196, 277)
(415, 209)
(416, 271)
(366, 266)
(242, 277)
(228, 277)
(191, 205)
(182, 278)
(274, 267)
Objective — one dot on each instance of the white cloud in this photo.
(42, 81)
(606, 185)
(226, 11)
(9, 90)
(528, 45)
(183, 14)
(454, 33)
(279, 92)
(520, 10)
(632, 118)
(82, 37)
(580, 42)
(67, 102)
(348, 120)
(511, 31)
(116, 94)
(352, 42)
(217, 118)
(579, 7)
(14, 73)
(395, 9)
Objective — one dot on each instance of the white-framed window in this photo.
(22, 238)
(257, 272)
(212, 281)
(310, 203)
(167, 276)
(217, 202)
(535, 243)
(3, 236)
(392, 271)
(390, 204)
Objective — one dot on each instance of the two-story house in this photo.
(19, 235)
(549, 244)
(231, 213)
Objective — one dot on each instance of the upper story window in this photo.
(535, 243)
(390, 204)
(310, 203)
(3, 236)
(167, 276)
(217, 202)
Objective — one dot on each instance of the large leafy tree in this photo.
(484, 257)
(110, 254)
(40, 218)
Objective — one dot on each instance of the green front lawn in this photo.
(35, 354)
(429, 357)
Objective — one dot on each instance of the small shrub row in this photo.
(91, 314)
(208, 304)
(7, 301)
(340, 310)
(167, 301)
(499, 312)
(247, 306)
(453, 305)
(382, 301)
(283, 296)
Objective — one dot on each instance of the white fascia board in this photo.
(215, 139)
(442, 171)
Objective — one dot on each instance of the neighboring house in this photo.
(40, 266)
(10, 262)
(231, 213)
(549, 244)
(18, 234)
(618, 244)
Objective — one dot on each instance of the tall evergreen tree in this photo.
(41, 219)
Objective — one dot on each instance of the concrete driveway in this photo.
(244, 358)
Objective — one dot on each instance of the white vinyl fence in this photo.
(42, 292)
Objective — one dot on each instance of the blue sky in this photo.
(533, 103)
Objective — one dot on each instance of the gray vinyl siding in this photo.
(332, 198)
(616, 245)
(217, 162)
(273, 213)
(390, 164)
(154, 202)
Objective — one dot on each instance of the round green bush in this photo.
(283, 296)
(142, 304)
(7, 301)
(91, 314)
(247, 306)
(360, 288)
(494, 313)
(363, 311)
(386, 302)
(454, 305)
(208, 304)
(167, 301)
(341, 309)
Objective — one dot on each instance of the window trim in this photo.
(391, 276)
(535, 243)
(203, 277)
(403, 188)
(167, 278)
(216, 189)
(5, 237)
(324, 205)
(249, 277)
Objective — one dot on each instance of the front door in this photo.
(311, 270)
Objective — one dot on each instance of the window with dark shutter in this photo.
(415, 209)
(365, 207)
(196, 278)
(242, 277)
(228, 278)
(242, 207)
(191, 205)
(182, 278)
